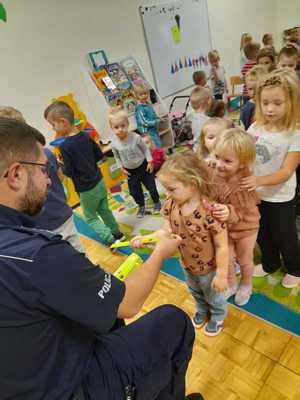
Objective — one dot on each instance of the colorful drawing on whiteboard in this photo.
(190, 62)
(175, 29)
(3, 15)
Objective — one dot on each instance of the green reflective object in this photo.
(2, 13)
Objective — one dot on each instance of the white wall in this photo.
(230, 18)
(288, 15)
(44, 43)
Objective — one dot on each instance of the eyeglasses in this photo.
(45, 168)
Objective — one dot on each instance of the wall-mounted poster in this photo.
(178, 41)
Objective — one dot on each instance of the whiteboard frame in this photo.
(149, 51)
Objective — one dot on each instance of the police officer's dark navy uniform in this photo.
(57, 312)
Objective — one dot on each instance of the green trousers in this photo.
(94, 204)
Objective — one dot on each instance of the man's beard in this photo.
(33, 200)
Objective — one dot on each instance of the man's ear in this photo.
(16, 177)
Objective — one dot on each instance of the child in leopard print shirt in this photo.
(204, 247)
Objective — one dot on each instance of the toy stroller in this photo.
(181, 126)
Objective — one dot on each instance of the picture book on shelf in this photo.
(133, 72)
(118, 76)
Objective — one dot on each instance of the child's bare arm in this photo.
(219, 282)
(286, 170)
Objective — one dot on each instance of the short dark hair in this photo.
(59, 109)
(198, 76)
(18, 141)
(251, 50)
(266, 38)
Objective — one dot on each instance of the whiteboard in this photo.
(178, 40)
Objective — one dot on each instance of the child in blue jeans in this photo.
(204, 246)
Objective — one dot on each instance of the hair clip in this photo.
(273, 81)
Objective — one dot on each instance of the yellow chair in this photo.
(235, 80)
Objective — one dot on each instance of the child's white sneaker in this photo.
(259, 272)
(230, 291)
(243, 295)
(290, 281)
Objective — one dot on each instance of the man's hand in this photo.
(150, 167)
(249, 183)
(219, 283)
(167, 246)
(220, 212)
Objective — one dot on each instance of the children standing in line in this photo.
(247, 113)
(80, 156)
(234, 152)
(134, 158)
(146, 118)
(204, 247)
(217, 76)
(251, 51)
(278, 155)
(158, 154)
(200, 101)
(209, 134)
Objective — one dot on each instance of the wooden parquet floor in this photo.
(249, 360)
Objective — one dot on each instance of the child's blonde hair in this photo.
(213, 56)
(220, 124)
(199, 96)
(284, 79)
(12, 113)
(138, 89)
(256, 73)
(117, 113)
(237, 141)
(245, 38)
(188, 169)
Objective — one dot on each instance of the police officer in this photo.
(60, 336)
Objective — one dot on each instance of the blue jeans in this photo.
(208, 301)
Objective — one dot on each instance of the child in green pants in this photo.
(80, 155)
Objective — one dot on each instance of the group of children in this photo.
(237, 188)
(234, 189)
